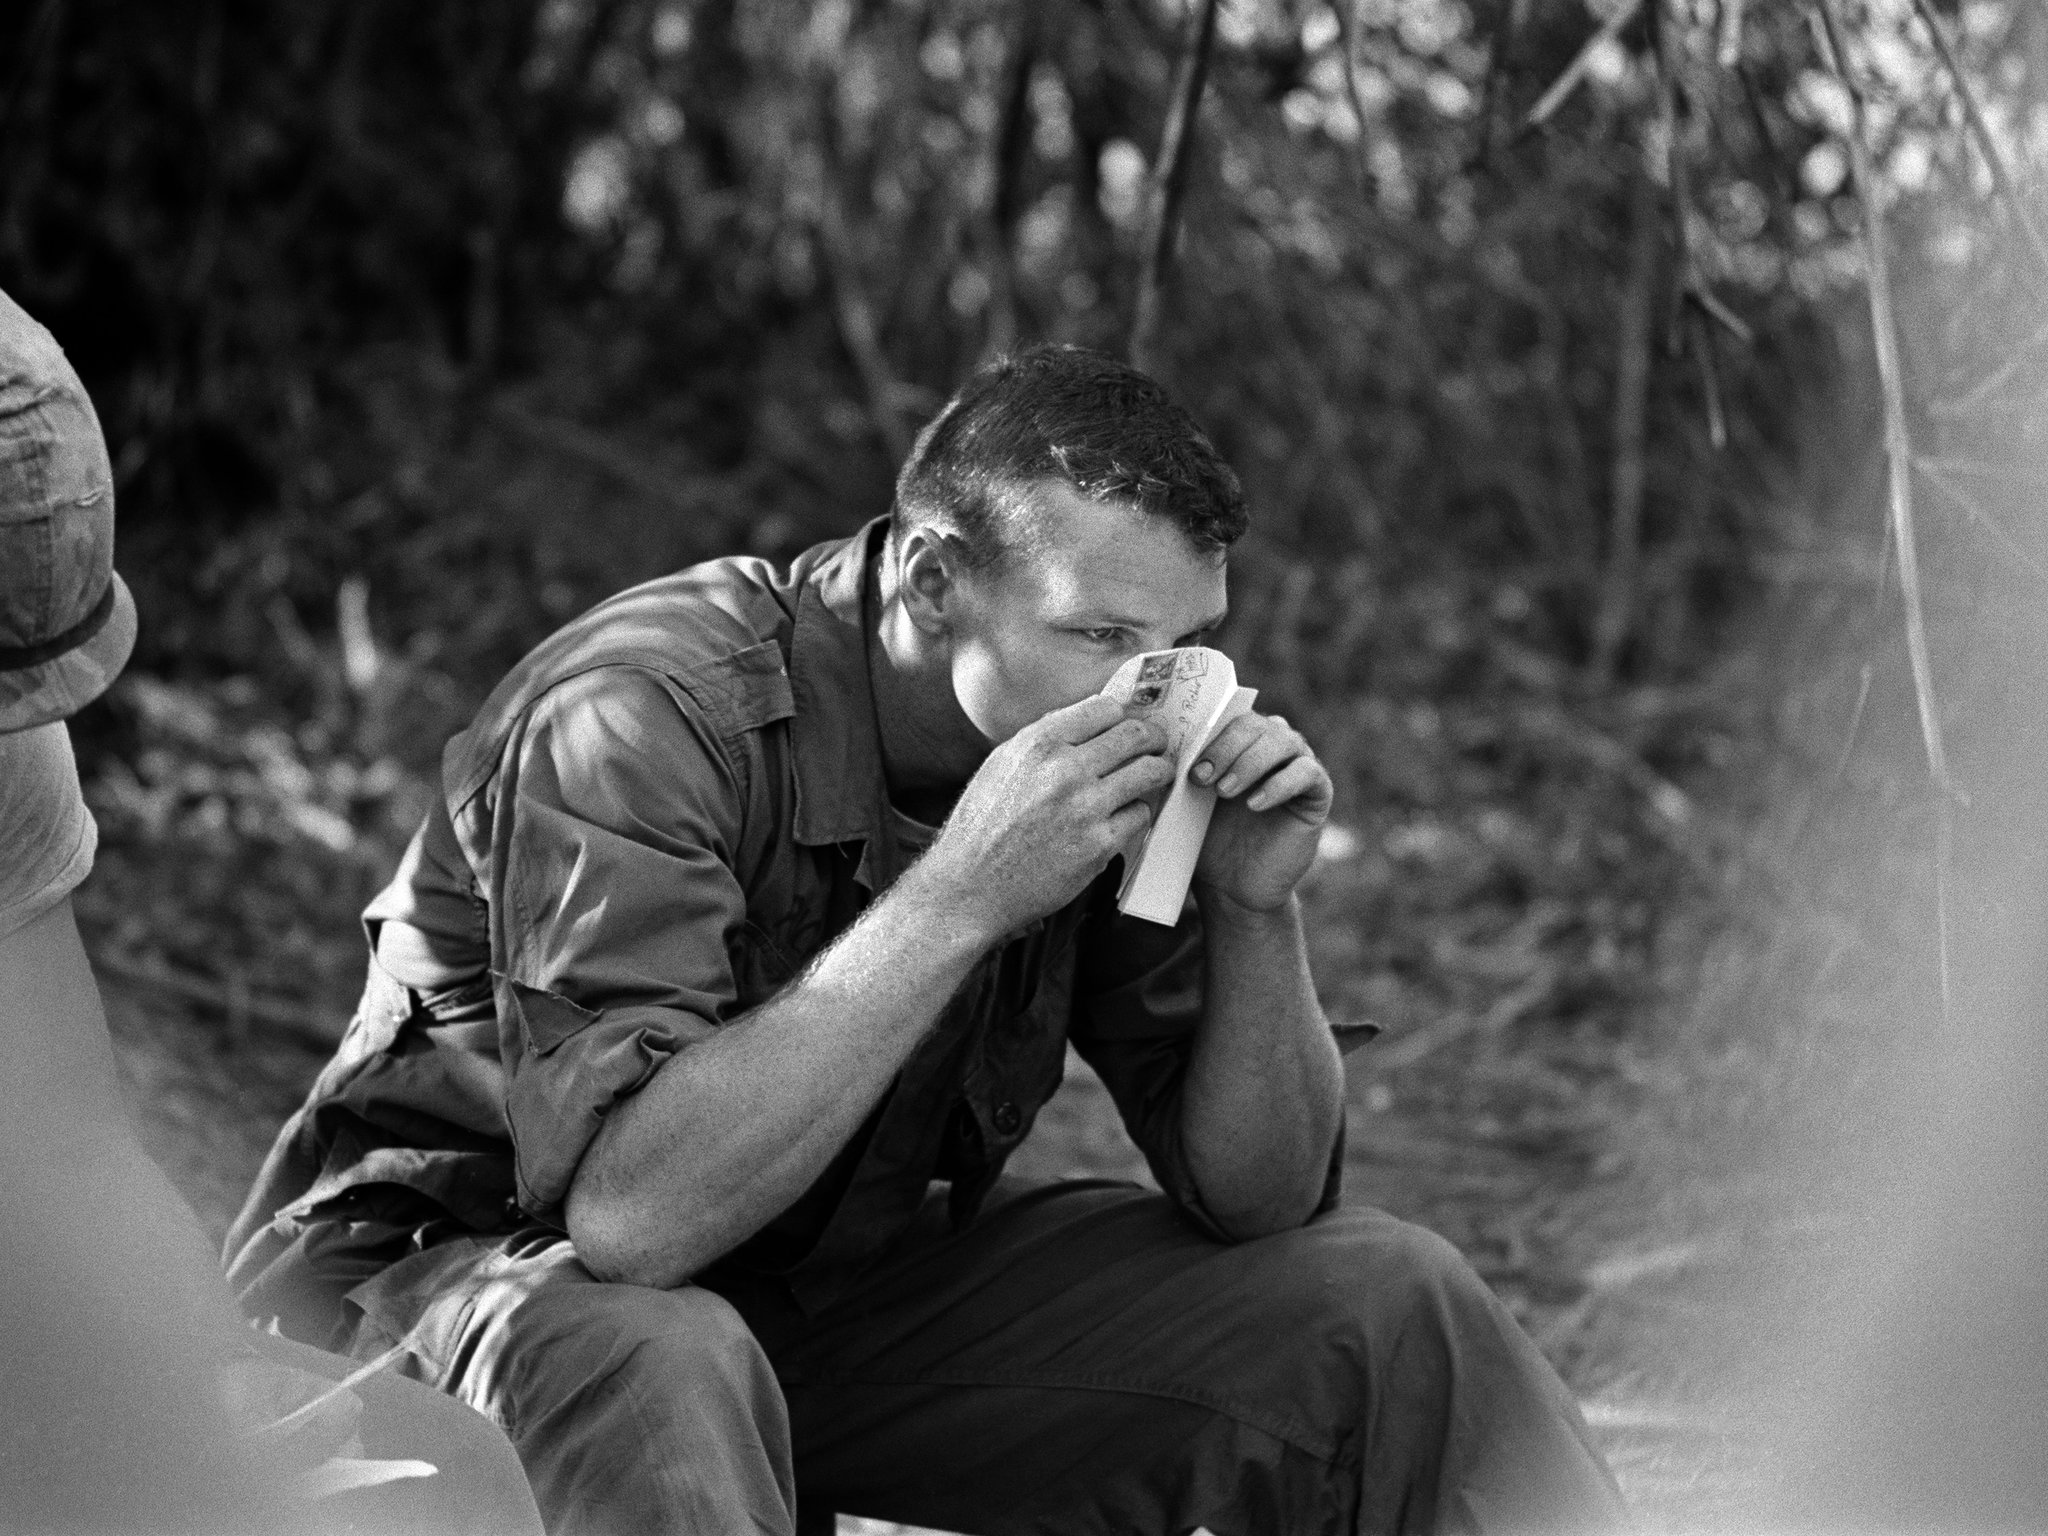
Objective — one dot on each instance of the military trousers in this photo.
(1078, 1360)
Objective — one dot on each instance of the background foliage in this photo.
(1535, 327)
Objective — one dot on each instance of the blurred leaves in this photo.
(416, 328)
(744, 248)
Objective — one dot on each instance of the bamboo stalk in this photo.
(1899, 461)
(1010, 150)
(1848, 751)
(1721, 314)
(1774, 154)
(1169, 181)
(1562, 87)
(858, 332)
(1710, 380)
(2002, 180)
(1347, 40)
(1514, 16)
(1730, 46)
(1664, 47)
(1627, 479)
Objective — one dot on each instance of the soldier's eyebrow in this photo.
(1106, 618)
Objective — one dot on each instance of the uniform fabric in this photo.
(653, 824)
(1080, 1360)
(47, 836)
(67, 622)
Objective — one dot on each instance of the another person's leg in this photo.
(1082, 1360)
(477, 1488)
(632, 1410)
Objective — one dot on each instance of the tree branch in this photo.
(1898, 449)
(1347, 39)
(1702, 336)
(1169, 181)
(1898, 443)
(1514, 15)
(1561, 88)
(1671, 112)
(1011, 150)
(1729, 46)
(857, 329)
(1627, 481)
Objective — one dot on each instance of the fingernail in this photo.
(1228, 786)
(1204, 772)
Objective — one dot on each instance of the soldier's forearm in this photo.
(731, 1130)
(1265, 1088)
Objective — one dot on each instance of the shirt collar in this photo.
(840, 789)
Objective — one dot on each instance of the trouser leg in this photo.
(632, 1410)
(1081, 1360)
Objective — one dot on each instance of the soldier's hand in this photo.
(1047, 810)
(1273, 798)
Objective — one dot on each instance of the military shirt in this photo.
(657, 819)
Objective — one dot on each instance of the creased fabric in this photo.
(650, 828)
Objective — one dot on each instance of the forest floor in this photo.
(1615, 937)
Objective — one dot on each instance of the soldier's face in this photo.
(1096, 584)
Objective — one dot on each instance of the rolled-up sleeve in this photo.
(613, 902)
(1137, 1006)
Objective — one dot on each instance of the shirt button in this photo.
(1007, 1118)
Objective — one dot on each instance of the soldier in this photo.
(743, 943)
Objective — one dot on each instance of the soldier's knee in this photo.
(1415, 1256)
(638, 1404)
(1362, 1266)
(656, 1346)
(686, 1333)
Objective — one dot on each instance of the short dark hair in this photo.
(1063, 413)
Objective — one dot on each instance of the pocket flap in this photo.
(546, 1019)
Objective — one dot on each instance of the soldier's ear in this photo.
(928, 578)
